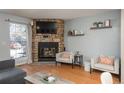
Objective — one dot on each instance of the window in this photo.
(18, 40)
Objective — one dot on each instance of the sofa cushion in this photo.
(104, 66)
(5, 64)
(11, 75)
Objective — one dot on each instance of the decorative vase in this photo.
(107, 23)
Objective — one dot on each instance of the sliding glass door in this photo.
(18, 40)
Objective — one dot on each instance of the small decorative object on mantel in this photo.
(75, 33)
(102, 25)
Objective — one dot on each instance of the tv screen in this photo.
(46, 27)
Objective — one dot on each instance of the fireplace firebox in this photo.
(47, 51)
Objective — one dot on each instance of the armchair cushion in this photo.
(64, 60)
(104, 66)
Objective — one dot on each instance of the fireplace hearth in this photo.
(47, 51)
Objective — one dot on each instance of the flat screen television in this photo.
(45, 27)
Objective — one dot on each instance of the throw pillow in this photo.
(106, 60)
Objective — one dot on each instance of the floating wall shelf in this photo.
(77, 35)
(101, 24)
(100, 27)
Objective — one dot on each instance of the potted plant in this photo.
(95, 24)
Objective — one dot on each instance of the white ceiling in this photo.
(65, 14)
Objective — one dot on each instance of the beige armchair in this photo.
(103, 67)
(65, 57)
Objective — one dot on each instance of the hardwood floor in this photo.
(77, 75)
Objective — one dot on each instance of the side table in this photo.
(78, 60)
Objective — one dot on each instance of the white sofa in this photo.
(103, 67)
(61, 59)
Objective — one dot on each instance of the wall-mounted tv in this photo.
(43, 27)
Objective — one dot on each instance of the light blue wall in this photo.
(95, 42)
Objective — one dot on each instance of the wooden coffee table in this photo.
(37, 78)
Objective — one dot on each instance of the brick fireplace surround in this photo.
(58, 37)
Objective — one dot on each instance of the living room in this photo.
(35, 39)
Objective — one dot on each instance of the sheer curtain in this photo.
(29, 45)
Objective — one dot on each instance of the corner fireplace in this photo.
(47, 51)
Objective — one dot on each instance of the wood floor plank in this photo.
(77, 75)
